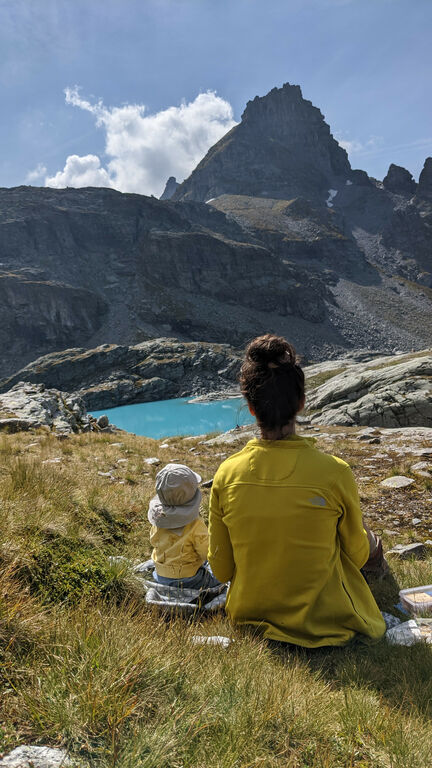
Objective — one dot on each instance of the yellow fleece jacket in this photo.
(179, 552)
(286, 528)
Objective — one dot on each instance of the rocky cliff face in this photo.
(39, 315)
(84, 266)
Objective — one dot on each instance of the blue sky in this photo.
(365, 63)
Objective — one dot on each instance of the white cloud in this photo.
(357, 147)
(80, 172)
(351, 146)
(144, 150)
(37, 174)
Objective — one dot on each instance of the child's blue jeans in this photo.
(203, 579)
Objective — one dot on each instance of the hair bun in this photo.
(270, 349)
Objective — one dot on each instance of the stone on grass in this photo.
(103, 421)
(422, 452)
(421, 465)
(35, 757)
(404, 551)
(398, 481)
(416, 521)
(152, 460)
(367, 434)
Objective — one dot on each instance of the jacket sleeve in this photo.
(220, 554)
(352, 536)
(200, 540)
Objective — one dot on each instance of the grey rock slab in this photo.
(403, 552)
(420, 466)
(397, 481)
(152, 460)
(103, 421)
(399, 394)
(422, 452)
(232, 436)
(35, 757)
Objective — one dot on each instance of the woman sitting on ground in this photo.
(285, 523)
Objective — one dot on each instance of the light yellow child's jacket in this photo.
(179, 552)
(286, 528)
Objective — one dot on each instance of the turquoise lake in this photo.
(165, 418)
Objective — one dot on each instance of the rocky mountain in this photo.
(273, 231)
(282, 148)
(89, 265)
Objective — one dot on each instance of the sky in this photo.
(125, 93)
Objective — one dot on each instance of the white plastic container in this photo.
(417, 600)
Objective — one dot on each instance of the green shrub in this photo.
(67, 570)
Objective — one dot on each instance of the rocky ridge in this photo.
(390, 392)
(113, 375)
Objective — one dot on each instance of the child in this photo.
(178, 534)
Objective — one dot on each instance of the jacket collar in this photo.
(291, 441)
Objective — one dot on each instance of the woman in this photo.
(285, 522)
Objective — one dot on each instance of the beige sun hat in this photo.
(177, 499)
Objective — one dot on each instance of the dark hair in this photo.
(272, 381)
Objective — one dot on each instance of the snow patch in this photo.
(332, 194)
(348, 183)
(210, 201)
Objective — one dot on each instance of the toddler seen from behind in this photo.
(178, 534)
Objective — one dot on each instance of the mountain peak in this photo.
(170, 187)
(424, 188)
(282, 148)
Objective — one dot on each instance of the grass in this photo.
(321, 378)
(84, 665)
